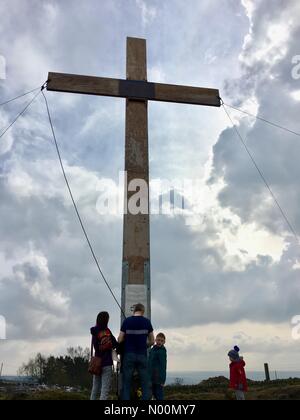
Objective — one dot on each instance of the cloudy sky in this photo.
(231, 277)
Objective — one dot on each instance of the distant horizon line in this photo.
(188, 372)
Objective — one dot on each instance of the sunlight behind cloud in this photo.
(296, 95)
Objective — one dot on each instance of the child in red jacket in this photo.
(238, 380)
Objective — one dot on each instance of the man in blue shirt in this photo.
(137, 332)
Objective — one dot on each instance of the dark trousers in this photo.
(132, 362)
(158, 392)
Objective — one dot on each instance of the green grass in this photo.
(46, 396)
(217, 389)
(213, 389)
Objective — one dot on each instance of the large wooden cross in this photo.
(136, 286)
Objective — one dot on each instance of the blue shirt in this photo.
(137, 330)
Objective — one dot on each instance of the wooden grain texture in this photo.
(187, 95)
(88, 85)
(136, 66)
(133, 88)
(136, 235)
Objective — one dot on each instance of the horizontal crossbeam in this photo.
(132, 89)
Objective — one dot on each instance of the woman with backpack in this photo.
(103, 342)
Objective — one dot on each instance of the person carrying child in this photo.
(238, 381)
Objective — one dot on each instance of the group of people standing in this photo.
(135, 338)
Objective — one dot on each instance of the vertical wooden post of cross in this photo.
(136, 236)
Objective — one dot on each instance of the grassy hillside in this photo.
(217, 389)
(212, 389)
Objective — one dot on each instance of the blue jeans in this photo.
(240, 396)
(158, 392)
(102, 385)
(132, 362)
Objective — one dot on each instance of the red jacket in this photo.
(238, 379)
